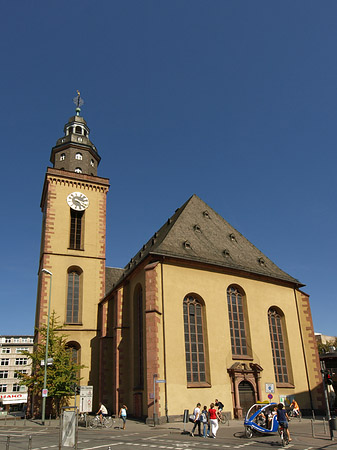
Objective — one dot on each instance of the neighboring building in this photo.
(329, 358)
(198, 306)
(324, 339)
(13, 396)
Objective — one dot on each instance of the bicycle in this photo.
(223, 418)
(96, 422)
(295, 414)
(283, 435)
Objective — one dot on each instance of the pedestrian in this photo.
(204, 421)
(282, 418)
(123, 414)
(196, 421)
(213, 418)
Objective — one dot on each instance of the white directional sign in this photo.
(86, 393)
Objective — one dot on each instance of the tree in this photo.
(62, 374)
(325, 348)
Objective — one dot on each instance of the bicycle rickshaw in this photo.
(260, 419)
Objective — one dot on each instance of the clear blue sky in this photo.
(232, 100)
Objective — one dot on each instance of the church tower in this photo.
(72, 250)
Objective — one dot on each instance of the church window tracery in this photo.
(194, 340)
(237, 321)
(276, 330)
(73, 295)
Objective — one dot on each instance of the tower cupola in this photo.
(74, 151)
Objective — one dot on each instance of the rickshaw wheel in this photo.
(248, 432)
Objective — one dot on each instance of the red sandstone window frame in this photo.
(195, 345)
(237, 323)
(278, 345)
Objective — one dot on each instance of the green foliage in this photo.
(61, 375)
(325, 348)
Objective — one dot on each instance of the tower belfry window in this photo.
(78, 170)
(79, 156)
(76, 229)
(78, 130)
(62, 157)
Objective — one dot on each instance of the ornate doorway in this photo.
(246, 386)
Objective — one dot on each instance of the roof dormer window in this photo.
(79, 156)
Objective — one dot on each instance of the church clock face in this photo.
(78, 201)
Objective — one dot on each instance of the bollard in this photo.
(7, 443)
(30, 443)
(313, 414)
(49, 419)
(312, 428)
(324, 426)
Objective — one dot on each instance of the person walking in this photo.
(123, 414)
(213, 418)
(196, 413)
(204, 421)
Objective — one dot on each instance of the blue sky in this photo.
(232, 100)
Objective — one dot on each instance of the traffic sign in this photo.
(270, 396)
(44, 392)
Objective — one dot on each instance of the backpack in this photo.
(203, 417)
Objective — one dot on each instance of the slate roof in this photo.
(112, 275)
(196, 232)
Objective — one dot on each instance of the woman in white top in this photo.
(123, 414)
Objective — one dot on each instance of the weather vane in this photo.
(78, 102)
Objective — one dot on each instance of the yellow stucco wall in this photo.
(58, 258)
(212, 287)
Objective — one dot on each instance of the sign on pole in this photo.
(86, 393)
(44, 393)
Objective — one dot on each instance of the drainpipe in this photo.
(164, 342)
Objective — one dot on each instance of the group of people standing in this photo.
(208, 418)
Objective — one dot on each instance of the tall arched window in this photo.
(237, 321)
(194, 340)
(138, 338)
(79, 156)
(74, 350)
(74, 296)
(275, 319)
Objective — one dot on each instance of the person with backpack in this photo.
(204, 421)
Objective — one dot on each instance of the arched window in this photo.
(76, 229)
(194, 340)
(62, 157)
(275, 319)
(74, 350)
(79, 156)
(138, 337)
(237, 321)
(73, 296)
(78, 130)
(78, 170)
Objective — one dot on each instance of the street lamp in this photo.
(46, 356)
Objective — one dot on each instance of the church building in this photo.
(198, 313)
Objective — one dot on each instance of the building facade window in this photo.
(195, 354)
(275, 319)
(5, 350)
(3, 373)
(21, 361)
(237, 321)
(78, 170)
(21, 349)
(76, 229)
(79, 156)
(4, 362)
(16, 387)
(16, 373)
(73, 296)
(62, 157)
(3, 387)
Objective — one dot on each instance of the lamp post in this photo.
(46, 355)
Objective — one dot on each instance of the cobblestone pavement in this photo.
(172, 436)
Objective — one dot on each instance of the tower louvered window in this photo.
(194, 340)
(76, 229)
(278, 346)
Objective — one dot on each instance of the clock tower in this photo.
(72, 250)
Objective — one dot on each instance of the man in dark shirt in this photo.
(282, 418)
